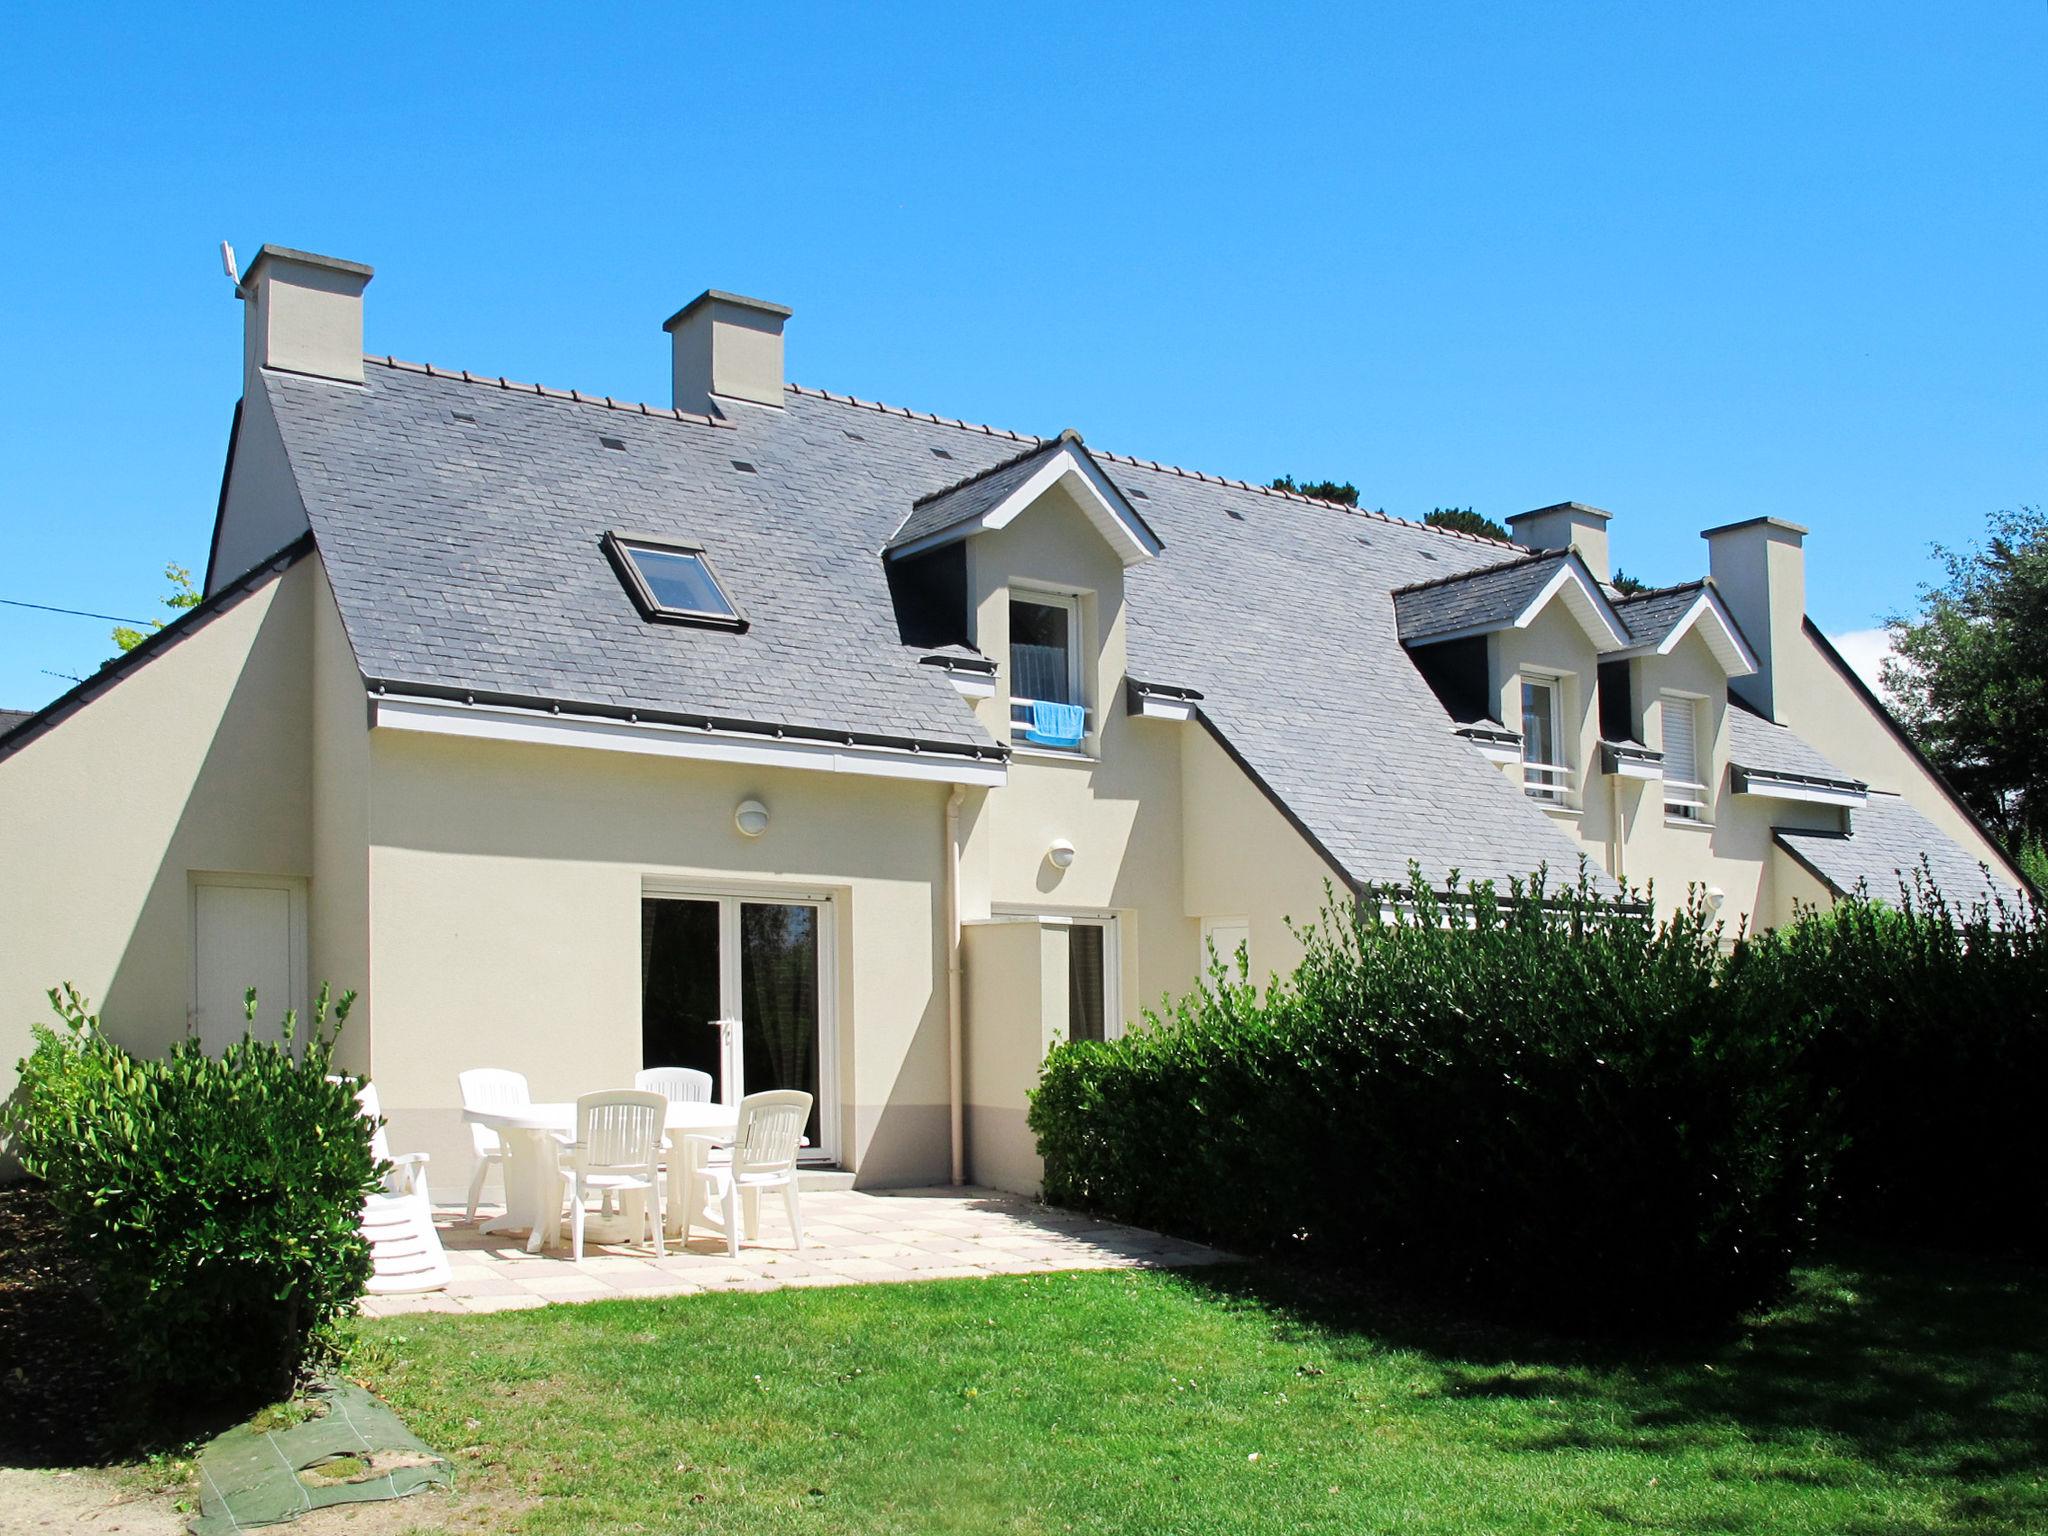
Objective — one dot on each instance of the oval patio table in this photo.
(534, 1135)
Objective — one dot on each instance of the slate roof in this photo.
(464, 557)
(1766, 747)
(970, 498)
(1650, 615)
(1886, 845)
(10, 718)
(1491, 597)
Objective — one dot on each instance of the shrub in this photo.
(214, 1199)
(1933, 1033)
(1543, 1102)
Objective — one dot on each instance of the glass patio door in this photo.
(732, 986)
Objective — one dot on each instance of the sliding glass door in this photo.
(733, 986)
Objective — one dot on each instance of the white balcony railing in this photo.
(1550, 783)
(1684, 801)
(1021, 719)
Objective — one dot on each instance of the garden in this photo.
(1555, 1217)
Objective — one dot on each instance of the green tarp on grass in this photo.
(250, 1477)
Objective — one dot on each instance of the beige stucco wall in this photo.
(260, 509)
(1016, 1007)
(505, 884)
(198, 759)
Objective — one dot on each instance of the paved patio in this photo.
(854, 1237)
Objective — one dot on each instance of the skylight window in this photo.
(671, 581)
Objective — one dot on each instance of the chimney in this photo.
(303, 314)
(727, 347)
(1760, 566)
(1568, 525)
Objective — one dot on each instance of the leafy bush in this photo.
(215, 1199)
(1933, 1032)
(1545, 1103)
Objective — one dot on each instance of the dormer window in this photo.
(671, 581)
(1046, 705)
(1546, 774)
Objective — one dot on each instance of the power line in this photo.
(76, 613)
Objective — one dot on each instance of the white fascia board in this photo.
(1721, 635)
(1588, 605)
(1495, 751)
(1635, 768)
(1765, 787)
(498, 722)
(974, 685)
(1097, 496)
(1152, 706)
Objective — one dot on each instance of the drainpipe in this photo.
(955, 1097)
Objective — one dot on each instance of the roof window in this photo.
(671, 581)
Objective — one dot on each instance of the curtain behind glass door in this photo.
(779, 999)
(679, 993)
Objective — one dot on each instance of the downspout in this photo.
(955, 1096)
(1617, 831)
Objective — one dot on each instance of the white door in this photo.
(247, 931)
(1226, 935)
(737, 986)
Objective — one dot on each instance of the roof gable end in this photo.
(1508, 596)
(996, 497)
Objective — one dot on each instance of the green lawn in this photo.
(1891, 1395)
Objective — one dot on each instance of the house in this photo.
(831, 744)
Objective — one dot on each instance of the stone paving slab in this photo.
(854, 1238)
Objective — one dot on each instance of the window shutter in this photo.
(1681, 748)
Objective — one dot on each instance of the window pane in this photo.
(1539, 741)
(1040, 645)
(1085, 982)
(679, 985)
(779, 999)
(679, 581)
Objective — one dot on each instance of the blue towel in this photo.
(1056, 725)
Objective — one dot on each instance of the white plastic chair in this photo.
(679, 1085)
(405, 1250)
(617, 1151)
(408, 1175)
(764, 1149)
(489, 1088)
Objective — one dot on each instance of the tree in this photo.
(1321, 490)
(181, 596)
(1627, 585)
(1969, 674)
(1465, 520)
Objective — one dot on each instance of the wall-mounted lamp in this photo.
(751, 818)
(1061, 853)
(1715, 896)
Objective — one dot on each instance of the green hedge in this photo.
(215, 1199)
(1542, 1102)
(1932, 1027)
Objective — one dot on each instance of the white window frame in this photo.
(1112, 953)
(1077, 675)
(729, 895)
(1686, 801)
(1548, 784)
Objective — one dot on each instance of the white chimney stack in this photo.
(303, 314)
(1759, 565)
(1568, 525)
(727, 347)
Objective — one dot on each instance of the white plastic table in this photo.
(534, 1135)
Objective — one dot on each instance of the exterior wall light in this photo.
(1061, 853)
(751, 818)
(1715, 896)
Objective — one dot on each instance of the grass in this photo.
(1890, 1394)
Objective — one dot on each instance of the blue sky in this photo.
(1689, 263)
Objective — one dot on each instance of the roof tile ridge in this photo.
(1650, 592)
(1280, 494)
(547, 392)
(1110, 455)
(981, 428)
(982, 474)
(1533, 558)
